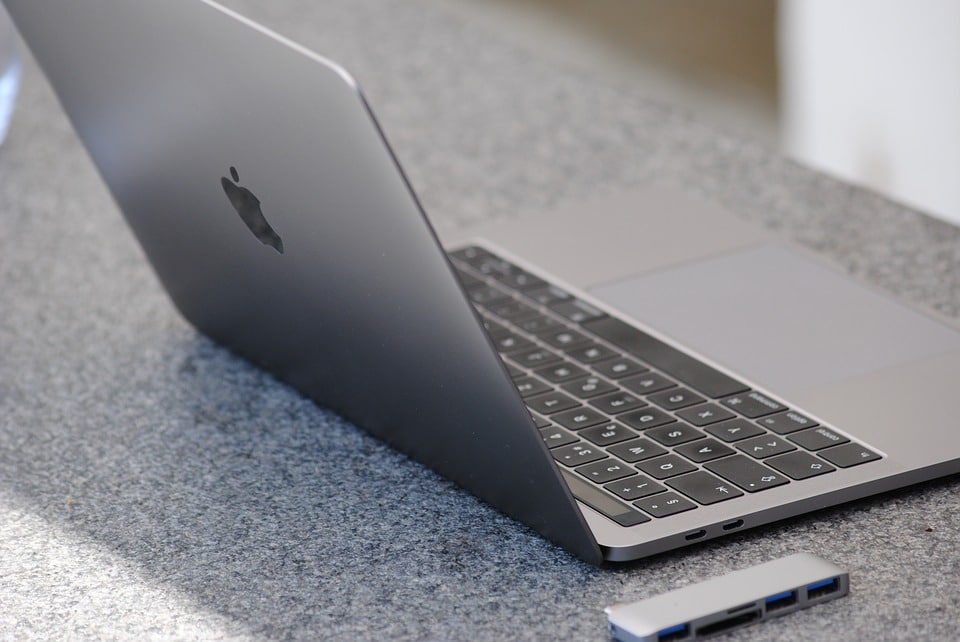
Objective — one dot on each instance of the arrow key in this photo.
(766, 446)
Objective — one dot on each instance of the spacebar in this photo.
(695, 374)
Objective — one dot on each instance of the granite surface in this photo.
(154, 486)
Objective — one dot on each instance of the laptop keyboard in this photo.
(640, 429)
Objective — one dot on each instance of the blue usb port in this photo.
(677, 632)
(781, 601)
(823, 587)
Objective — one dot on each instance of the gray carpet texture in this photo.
(154, 486)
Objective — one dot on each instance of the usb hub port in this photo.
(823, 587)
(678, 632)
(781, 601)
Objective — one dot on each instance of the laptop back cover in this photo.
(271, 208)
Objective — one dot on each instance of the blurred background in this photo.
(866, 90)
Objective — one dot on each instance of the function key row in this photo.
(518, 281)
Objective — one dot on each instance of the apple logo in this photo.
(248, 207)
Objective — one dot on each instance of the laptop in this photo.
(626, 377)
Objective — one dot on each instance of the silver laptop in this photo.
(627, 377)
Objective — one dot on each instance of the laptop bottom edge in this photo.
(779, 513)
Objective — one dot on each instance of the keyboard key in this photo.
(576, 310)
(508, 343)
(734, 430)
(551, 402)
(818, 438)
(705, 415)
(704, 450)
(547, 295)
(800, 465)
(765, 446)
(609, 433)
(541, 422)
(468, 280)
(487, 294)
(618, 367)
(675, 363)
(601, 502)
(577, 454)
(746, 473)
(646, 418)
(560, 372)
(519, 280)
(535, 358)
(676, 399)
(529, 386)
(514, 371)
(493, 266)
(674, 434)
(555, 437)
(590, 353)
(470, 253)
(704, 487)
(563, 338)
(578, 418)
(608, 470)
(647, 383)
(511, 309)
(635, 487)
(786, 422)
(849, 455)
(753, 404)
(637, 450)
(665, 504)
(588, 387)
(494, 328)
(537, 325)
(617, 402)
(666, 466)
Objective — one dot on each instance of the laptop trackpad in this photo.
(777, 318)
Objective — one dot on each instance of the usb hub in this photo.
(729, 602)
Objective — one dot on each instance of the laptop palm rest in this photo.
(778, 318)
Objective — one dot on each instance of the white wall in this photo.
(871, 92)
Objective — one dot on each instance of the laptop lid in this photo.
(270, 206)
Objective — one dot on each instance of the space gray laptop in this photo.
(626, 377)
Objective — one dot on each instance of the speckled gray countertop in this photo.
(154, 486)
